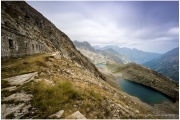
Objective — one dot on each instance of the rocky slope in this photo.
(48, 85)
(133, 55)
(147, 77)
(167, 64)
(26, 20)
(100, 56)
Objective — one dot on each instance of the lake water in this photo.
(144, 93)
(100, 65)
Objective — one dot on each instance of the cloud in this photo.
(173, 31)
(142, 25)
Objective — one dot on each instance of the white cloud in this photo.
(108, 23)
(173, 31)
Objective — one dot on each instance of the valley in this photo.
(148, 80)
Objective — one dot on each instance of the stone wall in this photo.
(14, 44)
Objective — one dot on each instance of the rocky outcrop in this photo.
(26, 31)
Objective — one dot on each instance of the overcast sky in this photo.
(148, 26)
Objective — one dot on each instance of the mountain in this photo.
(133, 55)
(100, 56)
(167, 64)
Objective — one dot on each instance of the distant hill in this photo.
(167, 64)
(134, 55)
(100, 56)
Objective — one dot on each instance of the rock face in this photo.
(26, 31)
(100, 56)
(167, 64)
(21, 79)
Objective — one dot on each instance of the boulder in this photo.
(57, 115)
(76, 115)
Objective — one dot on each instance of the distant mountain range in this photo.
(133, 55)
(167, 64)
(100, 56)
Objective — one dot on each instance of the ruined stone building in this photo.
(14, 43)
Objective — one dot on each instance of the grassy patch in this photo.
(50, 99)
(5, 93)
(62, 96)
(95, 96)
(5, 84)
(27, 64)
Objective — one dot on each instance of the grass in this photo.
(5, 84)
(17, 66)
(61, 96)
(50, 99)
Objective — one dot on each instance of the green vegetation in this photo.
(50, 99)
(60, 96)
(18, 66)
(5, 84)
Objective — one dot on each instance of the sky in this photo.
(150, 26)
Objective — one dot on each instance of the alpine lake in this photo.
(144, 93)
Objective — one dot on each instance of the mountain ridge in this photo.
(108, 55)
(134, 55)
(167, 64)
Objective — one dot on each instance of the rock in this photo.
(136, 111)
(57, 115)
(76, 115)
(24, 111)
(19, 97)
(8, 109)
(21, 79)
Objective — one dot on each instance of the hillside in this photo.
(22, 20)
(133, 55)
(167, 64)
(100, 56)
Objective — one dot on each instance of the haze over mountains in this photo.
(167, 64)
(134, 55)
(100, 56)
